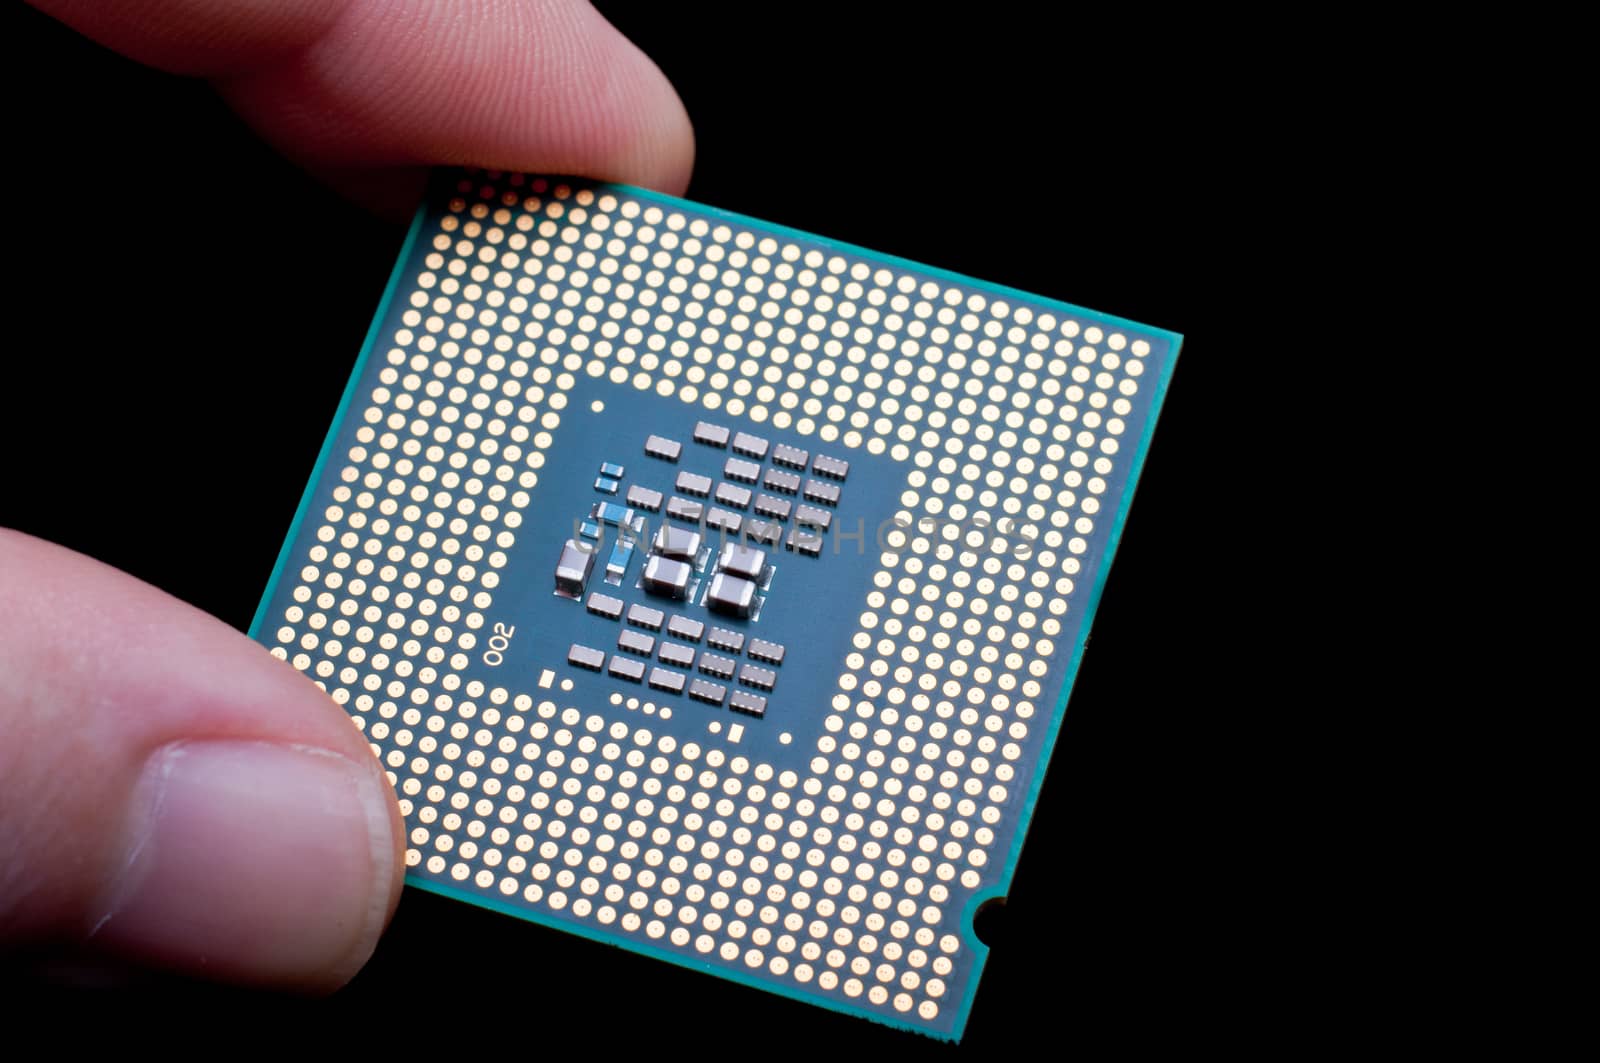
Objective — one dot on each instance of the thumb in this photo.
(173, 797)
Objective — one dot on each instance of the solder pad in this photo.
(827, 824)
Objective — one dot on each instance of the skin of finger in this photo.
(97, 672)
(535, 85)
(200, 37)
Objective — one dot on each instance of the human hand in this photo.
(223, 818)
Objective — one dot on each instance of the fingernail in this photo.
(254, 862)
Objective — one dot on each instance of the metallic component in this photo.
(683, 628)
(731, 595)
(612, 514)
(585, 657)
(676, 655)
(756, 676)
(762, 650)
(646, 617)
(605, 605)
(712, 435)
(710, 693)
(691, 483)
(633, 642)
(626, 668)
(767, 532)
(572, 571)
(644, 498)
(813, 517)
(745, 562)
(680, 543)
(817, 491)
(723, 639)
(778, 480)
(832, 468)
(617, 566)
(672, 682)
(746, 472)
(723, 521)
(685, 510)
(750, 446)
(666, 577)
(776, 508)
(721, 667)
(805, 540)
(731, 495)
(665, 449)
(793, 457)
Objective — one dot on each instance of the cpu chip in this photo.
(819, 814)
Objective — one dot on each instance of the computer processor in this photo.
(711, 589)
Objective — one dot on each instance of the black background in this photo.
(186, 306)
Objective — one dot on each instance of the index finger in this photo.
(351, 85)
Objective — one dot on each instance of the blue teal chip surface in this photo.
(830, 689)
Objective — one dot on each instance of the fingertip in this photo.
(643, 131)
(254, 863)
(173, 797)
(541, 88)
